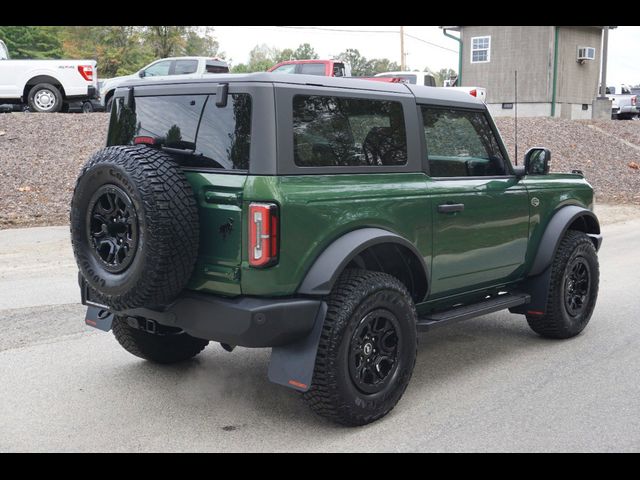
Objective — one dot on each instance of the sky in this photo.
(424, 46)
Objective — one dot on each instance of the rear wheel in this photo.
(45, 98)
(367, 350)
(167, 345)
(573, 289)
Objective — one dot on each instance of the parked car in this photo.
(328, 219)
(46, 85)
(186, 67)
(325, 68)
(624, 103)
(636, 91)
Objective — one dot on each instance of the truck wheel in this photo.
(367, 349)
(573, 289)
(87, 107)
(45, 98)
(168, 347)
(134, 227)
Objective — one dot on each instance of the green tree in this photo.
(32, 42)
(119, 50)
(358, 63)
(305, 52)
(442, 75)
(200, 42)
(166, 41)
(381, 65)
(285, 55)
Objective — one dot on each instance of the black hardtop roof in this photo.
(421, 93)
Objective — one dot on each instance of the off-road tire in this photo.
(31, 98)
(156, 348)
(167, 227)
(557, 322)
(333, 394)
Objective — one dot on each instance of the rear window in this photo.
(192, 127)
(312, 69)
(338, 131)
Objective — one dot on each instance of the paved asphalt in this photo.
(489, 384)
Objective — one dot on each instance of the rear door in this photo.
(212, 145)
(480, 210)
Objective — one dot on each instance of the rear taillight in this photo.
(143, 140)
(263, 234)
(86, 71)
(473, 93)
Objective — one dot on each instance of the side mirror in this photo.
(537, 160)
(141, 74)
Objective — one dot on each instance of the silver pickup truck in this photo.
(624, 102)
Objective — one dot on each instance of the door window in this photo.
(461, 143)
(158, 69)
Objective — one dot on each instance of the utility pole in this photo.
(402, 62)
(605, 47)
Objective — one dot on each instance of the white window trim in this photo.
(488, 49)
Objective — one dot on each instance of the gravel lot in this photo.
(41, 155)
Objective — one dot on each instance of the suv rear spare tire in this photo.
(134, 227)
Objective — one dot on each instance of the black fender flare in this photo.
(323, 274)
(555, 231)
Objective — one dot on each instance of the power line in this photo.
(432, 44)
(370, 31)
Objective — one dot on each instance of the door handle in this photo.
(451, 208)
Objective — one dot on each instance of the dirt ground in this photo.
(42, 154)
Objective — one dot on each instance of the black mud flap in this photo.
(292, 365)
(99, 318)
(538, 288)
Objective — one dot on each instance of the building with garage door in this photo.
(558, 67)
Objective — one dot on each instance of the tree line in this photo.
(121, 50)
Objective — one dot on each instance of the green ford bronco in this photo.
(328, 219)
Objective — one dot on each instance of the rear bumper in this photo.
(242, 321)
(92, 92)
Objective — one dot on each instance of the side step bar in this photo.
(466, 312)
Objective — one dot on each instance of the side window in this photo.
(224, 136)
(312, 69)
(184, 67)
(348, 132)
(288, 68)
(338, 70)
(460, 143)
(158, 69)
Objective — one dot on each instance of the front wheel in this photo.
(573, 289)
(367, 349)
(45, 98)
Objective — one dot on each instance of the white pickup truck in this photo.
(428, 79)
(46, 85)
(186, 67)
(624, 104)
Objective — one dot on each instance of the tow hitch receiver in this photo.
(99, 318)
